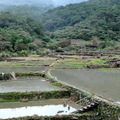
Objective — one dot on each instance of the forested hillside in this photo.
(99, 19)
(75, 13)
(93, 23)
(20, 34)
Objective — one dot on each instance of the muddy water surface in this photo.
(40, 108)
(101, 82)
(23, 85)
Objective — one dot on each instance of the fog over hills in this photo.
(22, 2)
(53, 2)
(65, 2)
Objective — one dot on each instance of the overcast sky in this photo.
(64, 2)
(55, 2)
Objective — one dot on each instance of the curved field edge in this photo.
(106, 109)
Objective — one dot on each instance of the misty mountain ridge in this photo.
(65, 2)
(36, 2)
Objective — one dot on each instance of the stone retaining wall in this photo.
(107, 110)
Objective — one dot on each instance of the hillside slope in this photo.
(98, 19)
(20, 33)
(74, 13)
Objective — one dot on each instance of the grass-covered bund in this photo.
(31, 96)
(80, 63)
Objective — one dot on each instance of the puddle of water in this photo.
(118, 102)
(48, 110)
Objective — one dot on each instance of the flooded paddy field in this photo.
(41, 108)
(28, 84)
(32, 84)
(102, 82)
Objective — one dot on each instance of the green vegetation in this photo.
(97, 61)
(80, 62)
(20, 35)
(56, 84)
(109, 69)
(93, 24)
(95, 20)
(17, 96)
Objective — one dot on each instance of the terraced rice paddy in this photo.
(26, 85)
(41, 108)
(105, 83)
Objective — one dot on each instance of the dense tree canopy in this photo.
(99, 18)
(95, 22)
(74, 13)
(17, 33)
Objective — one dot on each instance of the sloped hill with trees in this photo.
(74, 13)
(92, 19)
(20, 34)
(96, 22)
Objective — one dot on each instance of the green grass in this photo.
(18, 96)
(55, 84)
(109, 69)
(18, 64)
(13, 100)
(76, 62)
(97, 61)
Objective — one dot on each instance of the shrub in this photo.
(23, 53)
(4, 55)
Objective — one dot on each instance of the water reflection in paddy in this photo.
(41, 110)
(48, 110)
